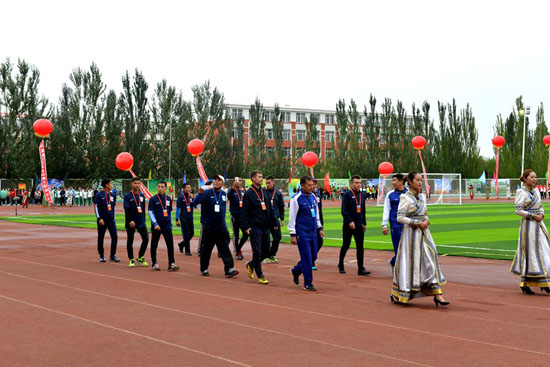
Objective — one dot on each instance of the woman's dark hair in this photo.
(411, 176)
(525, 174)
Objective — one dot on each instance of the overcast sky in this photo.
(300, 53)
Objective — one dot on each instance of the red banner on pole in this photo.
(142, 187)
(202, 173)
(44, 173)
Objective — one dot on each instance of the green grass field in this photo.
(474, 230)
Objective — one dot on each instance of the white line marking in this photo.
(125, 331)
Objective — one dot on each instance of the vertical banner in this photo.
(44, 173)
(202, 174)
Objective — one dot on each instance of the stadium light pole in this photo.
(170, 155)
(525, 113)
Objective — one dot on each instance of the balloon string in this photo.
(425, 175)
(548, 171)
(496, 182)
(311, 170)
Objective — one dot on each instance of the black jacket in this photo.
(349, 208)
(252, 215)
(277, 203)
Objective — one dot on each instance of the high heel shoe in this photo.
(394, 301)
(527, 290)
(546, 289)
(442, 303)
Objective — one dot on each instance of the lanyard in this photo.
(216, 196)
(163, 206)
(258, 195)
(239, 195)
(358, 203)
(138, 200)
(108, 201)
(274, 192)
(185, 199)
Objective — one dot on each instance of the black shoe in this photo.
(188, 254)
(102, 259)
(180, 245)
(205, 273)
(363, 272)
(295, 277)
(546, 289)
(114, 258)
(231, 273)
(173, 267)
(527, 290)
(341, 269)
(442, 303)
(310, 288)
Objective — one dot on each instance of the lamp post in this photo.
(523, 112)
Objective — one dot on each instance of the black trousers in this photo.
(275, 240)
(130, 241)
(101, 229)
(187, 231)
(259, 240)
(236, 223)
(319, 241)
(168, 238)
(220, 239)
(359, 237)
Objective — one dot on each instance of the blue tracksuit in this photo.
(304, 223)
(160, 212)
(390, 214)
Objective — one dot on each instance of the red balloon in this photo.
(385, 168)
(310, 159)
(195, 147)
(498, 141)
(42, 128)
(418, 142)
(546, 140)
(124, 161)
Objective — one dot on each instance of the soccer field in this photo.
(474, 230)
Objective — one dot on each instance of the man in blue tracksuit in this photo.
(317, 193)
(390, 212)
(304, 224)
(184, 218)
(213, 204)
(134, 210)
(104, 206)
(160, 213)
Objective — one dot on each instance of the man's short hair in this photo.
(355, 177)
(305, 179)
(399, 176)
(270, 178)
(134, 179)
(105, 181)
(162, 182)
(255, 173)
(185, 184)
(219, 177)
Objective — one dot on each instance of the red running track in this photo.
(60, 307)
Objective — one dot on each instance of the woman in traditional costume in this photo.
(532, 260)
(417, 273)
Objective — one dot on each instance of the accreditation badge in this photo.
(217, 208)
(263, 206)
(240, 203)
(139, 209)
(313, 213)
(109, 207)
(188, 209)
(165, 212)
(358, 208)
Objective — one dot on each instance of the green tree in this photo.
(540, 151)
(256, 151)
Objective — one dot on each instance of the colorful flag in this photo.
(150, 174)
(327, 183)
(482, 178)
(290, 177)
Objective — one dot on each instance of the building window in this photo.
(329, 136)
(313, 115)
(300, 135)
(235, 132)
(286, 152)
(300, 117)
(329, 119)
(268, 116)
(236, 113)
(270, 151)
(286, 134)
(269, 133)
(329, 152)
(285, 116)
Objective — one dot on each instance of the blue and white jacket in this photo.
(390, 208)
(304, 218)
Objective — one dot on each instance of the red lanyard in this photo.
(107, 195)
(185, 199)
(239, 195)
(258, 195)
(163, 206)
(274, 192)
(358, 203)
(138, 200)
